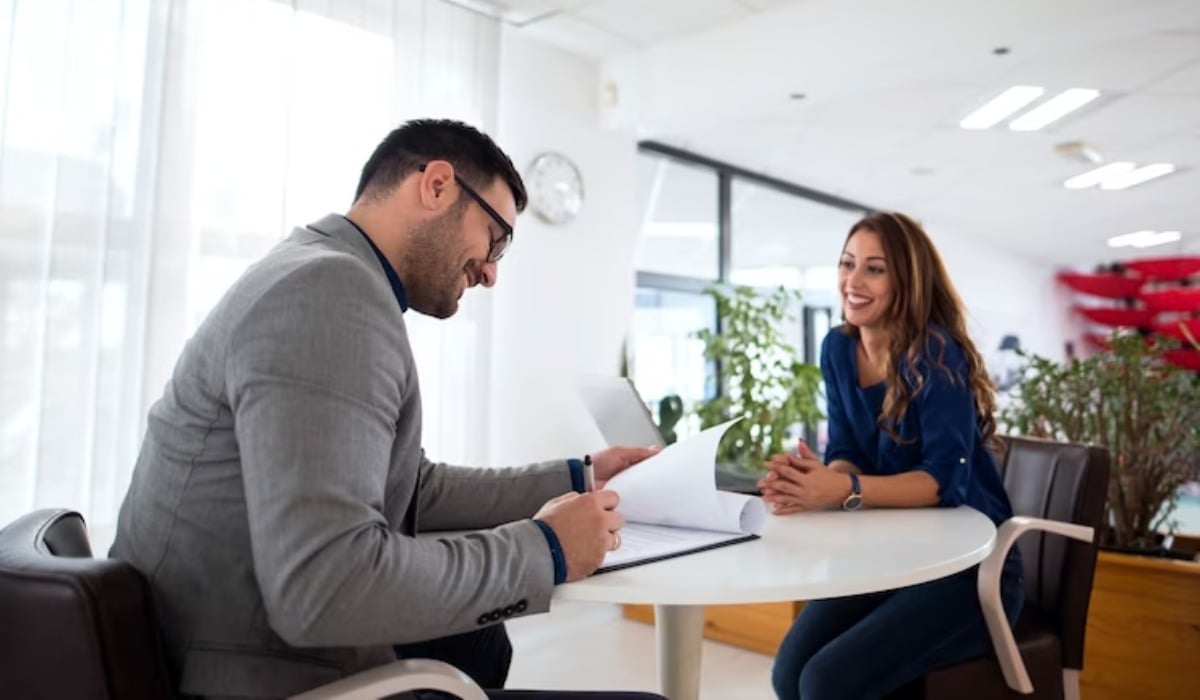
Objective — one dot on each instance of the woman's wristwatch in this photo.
(854, 500)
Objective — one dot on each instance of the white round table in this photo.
(805, 556)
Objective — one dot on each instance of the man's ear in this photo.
(434, 188)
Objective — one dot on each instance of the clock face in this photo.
(555, 188)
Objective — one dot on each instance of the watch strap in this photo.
(854, 500)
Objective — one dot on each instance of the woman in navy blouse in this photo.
(910, 410)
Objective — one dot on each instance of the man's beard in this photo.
(433, 273)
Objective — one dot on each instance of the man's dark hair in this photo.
(475, 157)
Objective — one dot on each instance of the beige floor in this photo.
(589, 646)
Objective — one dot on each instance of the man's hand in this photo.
(614, 460)
(802, 482)
(586, 525)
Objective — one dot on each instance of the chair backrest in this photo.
(74, 626)
(1065, 482)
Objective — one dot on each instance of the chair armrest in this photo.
(988, 585)
(399, 677)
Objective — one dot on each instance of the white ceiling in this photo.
(885, 84)
(606, 28)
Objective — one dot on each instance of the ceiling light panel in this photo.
(1002, 106)
(1144, 239)
(1054, 109)
(1102, 174)
(1128, 239)
(1137, 177)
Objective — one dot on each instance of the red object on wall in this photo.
(1186, 358)
(1107, 316)
(1176, 329)
(1176, 268)
(1107, 286)
(1181, 299)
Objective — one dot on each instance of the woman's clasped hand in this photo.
(796, 482)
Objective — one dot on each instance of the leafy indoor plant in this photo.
(762, 380)
(1145, 411)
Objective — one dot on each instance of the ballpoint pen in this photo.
(589, 474)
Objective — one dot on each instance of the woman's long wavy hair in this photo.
(922, 294)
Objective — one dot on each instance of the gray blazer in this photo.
(281, 481)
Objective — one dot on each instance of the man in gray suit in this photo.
(281, 481)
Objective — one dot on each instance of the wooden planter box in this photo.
(1143, 637)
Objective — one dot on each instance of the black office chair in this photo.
(76, 627)
(1055, 489)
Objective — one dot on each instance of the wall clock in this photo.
(555, 188)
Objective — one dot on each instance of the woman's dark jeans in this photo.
(866, 646)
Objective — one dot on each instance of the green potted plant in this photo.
(1144, 410)
(762, 380)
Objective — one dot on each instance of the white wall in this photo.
(1006, 293)
(564, 299)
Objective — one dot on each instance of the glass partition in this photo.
(779, 238)
(679, 218)
(666, 357)
(707, 223)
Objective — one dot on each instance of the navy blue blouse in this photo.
(939, 432)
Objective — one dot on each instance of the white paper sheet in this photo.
(671, 503)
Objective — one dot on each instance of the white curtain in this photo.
(149, 151)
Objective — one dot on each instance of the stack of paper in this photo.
(672, 506)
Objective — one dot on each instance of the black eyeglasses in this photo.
(499, 245)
